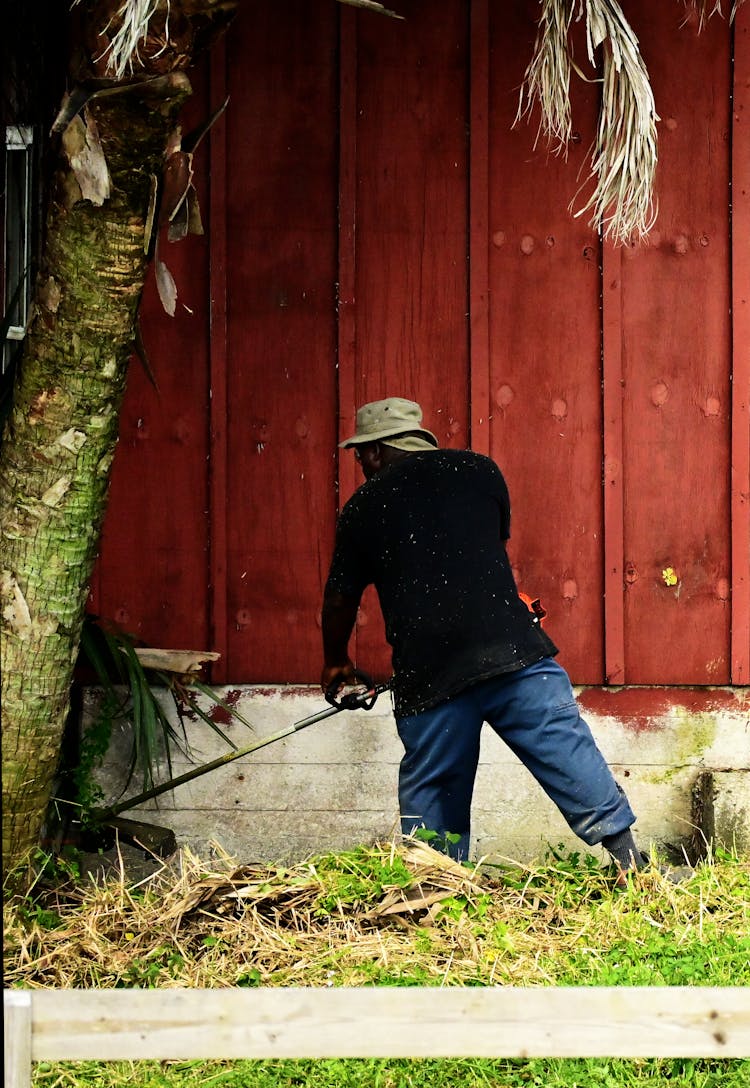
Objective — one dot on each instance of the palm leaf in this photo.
(705, 9)
(546, 81)
(624, 155)
(182, 698)
(130, 692)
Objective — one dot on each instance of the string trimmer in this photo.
(363, 698)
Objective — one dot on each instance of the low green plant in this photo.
(357, 876)
(149, 970)
(559, 923)
(128, 691)
(436, 839)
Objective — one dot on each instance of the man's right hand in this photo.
(335, 676)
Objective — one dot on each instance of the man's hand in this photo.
(335, 676)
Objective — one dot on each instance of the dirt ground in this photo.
(122, 861)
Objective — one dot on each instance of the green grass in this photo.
(320, 924)
(400, 1073)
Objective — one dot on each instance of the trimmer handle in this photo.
(356, 700)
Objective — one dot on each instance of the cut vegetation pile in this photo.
(385, 915)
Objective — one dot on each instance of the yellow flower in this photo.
(670, 577)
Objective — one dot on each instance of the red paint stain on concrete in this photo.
(646, 709)
(219, 714)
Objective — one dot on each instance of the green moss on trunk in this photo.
(60, 441)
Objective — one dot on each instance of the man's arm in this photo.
(339, 617)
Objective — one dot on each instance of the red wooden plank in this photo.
(281, 275)
(348, 474)
(218, 363)
(741, 352)
(412, 280)
(153, 569)
(676, 363)
(614, 573)
(479, 181)
(545, 352)
(412, 228)
(347, 320)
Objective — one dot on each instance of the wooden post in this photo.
(17, 1038)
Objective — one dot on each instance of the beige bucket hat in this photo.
(381, 419)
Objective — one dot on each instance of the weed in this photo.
(130, 691)
(357, 877)
(435, 839)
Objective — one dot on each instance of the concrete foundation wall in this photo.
(333, 785)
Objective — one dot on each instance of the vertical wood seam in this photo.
(218, 354)
(614, 490)
(479, 336)
(740, 471)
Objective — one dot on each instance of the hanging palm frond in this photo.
(132, 20)
(547, 78)
(624, 157)
(701, 9)
(372, 5)
(625, 153)
(134, 17)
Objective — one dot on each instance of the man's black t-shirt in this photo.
(429, 531)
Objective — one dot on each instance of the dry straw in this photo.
(624, 157)
(378, 914)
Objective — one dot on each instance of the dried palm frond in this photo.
(624, 157)
(701, 9)
(135, 16)
(546, 81)
(132, 20)
(625, 149)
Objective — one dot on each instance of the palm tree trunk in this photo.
(60, 441)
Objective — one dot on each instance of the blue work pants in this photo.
(534, 711)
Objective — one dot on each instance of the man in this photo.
(428, 528)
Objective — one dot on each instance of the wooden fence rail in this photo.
(376, 1022)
